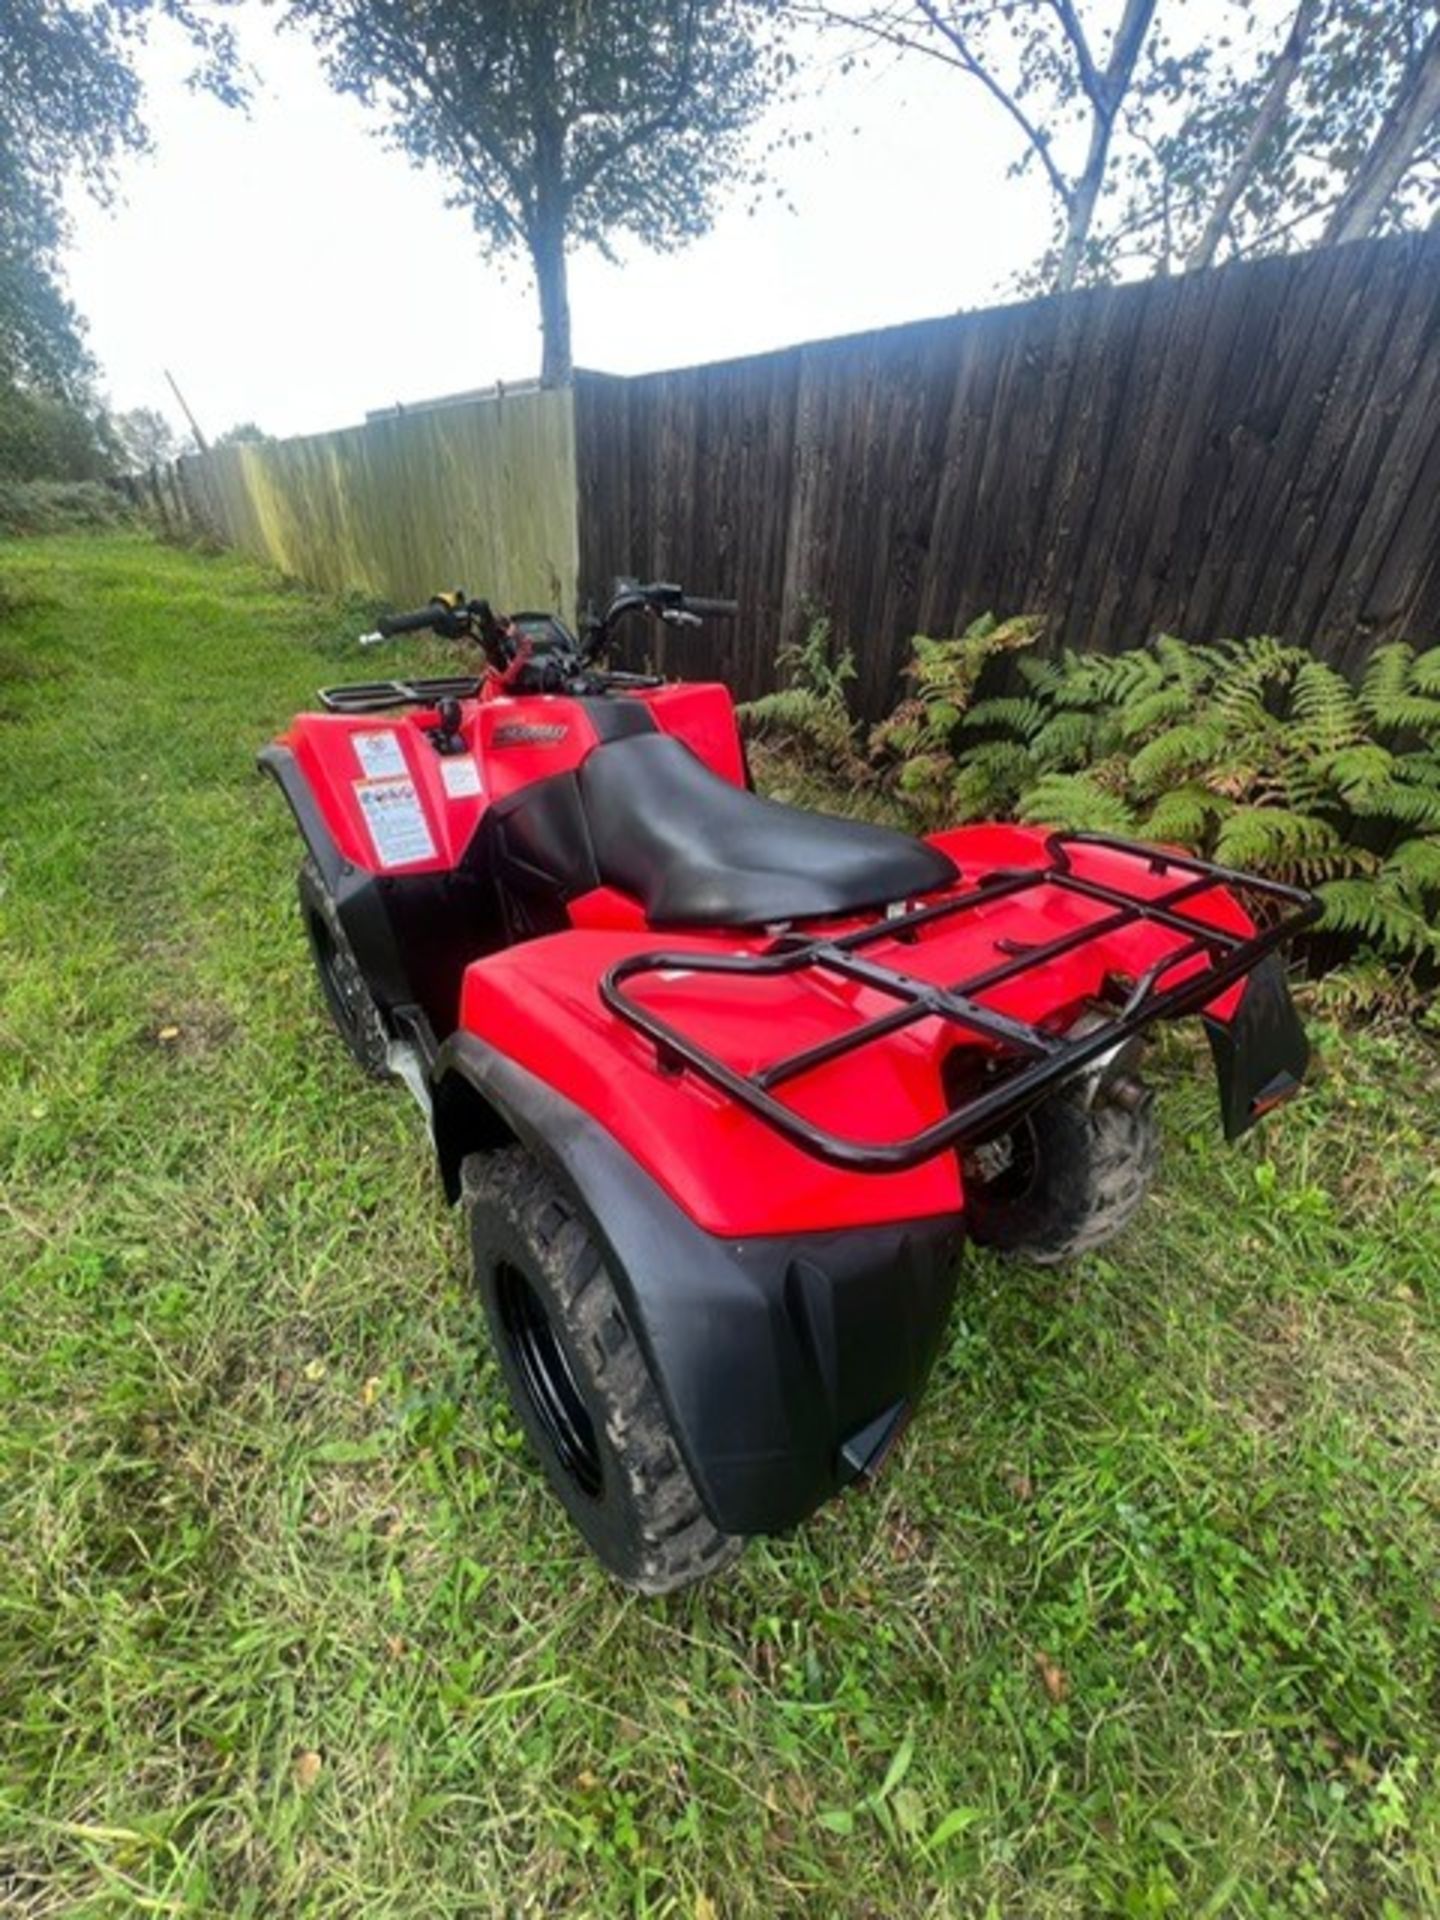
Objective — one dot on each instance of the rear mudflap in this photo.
(1260, 1052)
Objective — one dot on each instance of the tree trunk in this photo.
(547, 251)
(1080, 212)
(1413, 112)
(1106, 93)
(1272, 106)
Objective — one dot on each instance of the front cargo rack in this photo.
(375, 696)
(1046, 1059)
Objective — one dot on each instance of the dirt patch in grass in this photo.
(188, 1033)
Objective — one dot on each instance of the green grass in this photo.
(1143, 1620)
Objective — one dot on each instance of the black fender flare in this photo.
(358, 896)
(786, 1363)
(279, 762)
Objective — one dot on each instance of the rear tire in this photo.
(1068, 1177)
(358, 1020)
(579, 1383)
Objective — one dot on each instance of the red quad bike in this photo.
(723, 1085)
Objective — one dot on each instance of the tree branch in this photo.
(1129, 39)
(1282, 78)
(1113, 85)
(1074, 32)
(966, 59)
(1413, 112)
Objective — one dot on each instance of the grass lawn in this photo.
(1142, 1621)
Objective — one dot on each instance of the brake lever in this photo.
(681, 617)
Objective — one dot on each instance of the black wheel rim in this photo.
(549, 1382)
(1017, 1178)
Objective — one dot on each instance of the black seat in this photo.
(700, 852)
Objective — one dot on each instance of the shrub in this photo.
(1249, 752)
(810, 712)
(44, 436)
(60, 506)
(911, 749)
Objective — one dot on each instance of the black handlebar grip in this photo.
(711, 609)
(394, 623)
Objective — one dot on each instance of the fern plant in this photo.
(810, 711)
(1249, 752)
(912, 747)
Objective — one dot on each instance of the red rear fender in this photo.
(539, 1004)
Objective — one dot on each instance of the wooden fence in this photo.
(1250, 450)
(1255, 449)
(480, 494)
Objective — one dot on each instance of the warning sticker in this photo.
(399, 830)
(380, 754)
(461, 776)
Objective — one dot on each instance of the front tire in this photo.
(358, 1020)
(579, 1382)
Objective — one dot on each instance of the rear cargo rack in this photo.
(1043, 1059)
(374, 696)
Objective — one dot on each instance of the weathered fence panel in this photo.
(480, 494)
(1253, 449)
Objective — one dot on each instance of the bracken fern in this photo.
(1252, 752)
(811, 710)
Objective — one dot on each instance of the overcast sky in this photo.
(290, 269)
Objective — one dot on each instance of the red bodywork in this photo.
(514, 741)
(539, 1001)
(727, 1167)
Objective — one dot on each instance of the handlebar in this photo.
(454, 616)
(395, 623)
(660, 598)
(450, 615)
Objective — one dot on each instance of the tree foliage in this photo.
(1301, 129)
(49, 436)
(244, 433)
(70, 109)
(560, 126)
(1168, 140)
(144, 437)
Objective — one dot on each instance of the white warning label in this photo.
(380, 754)
(461, 776)
(399, 830)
